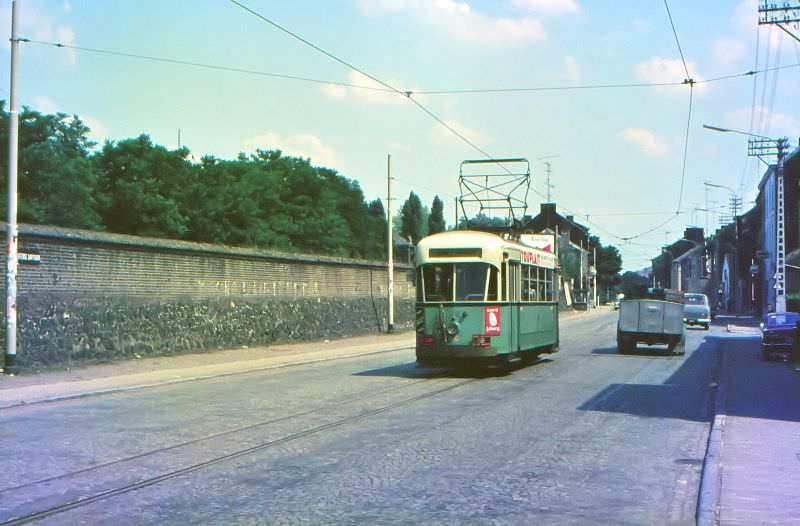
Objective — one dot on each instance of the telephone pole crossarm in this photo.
(780, 15)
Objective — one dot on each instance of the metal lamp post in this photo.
(12, 232)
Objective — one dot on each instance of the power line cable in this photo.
(407, 93)
(752, 113)
(764, 87)
(546, 88)
(774, 86)
(202, 65)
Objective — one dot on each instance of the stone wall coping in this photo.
(106, 238)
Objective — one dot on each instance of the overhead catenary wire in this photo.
(354, 68)
(464, 91)
(408, 95)
(181, 62)
(386, 87)
(686, 147)
(677, 41)
(320, 81)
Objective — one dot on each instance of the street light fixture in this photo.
(756, 148)
(727, 130)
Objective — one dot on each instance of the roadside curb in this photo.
(117, 390)
(711, 479)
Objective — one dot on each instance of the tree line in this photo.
(264, 199)
(133, 186)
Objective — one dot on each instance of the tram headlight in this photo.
(452, 328)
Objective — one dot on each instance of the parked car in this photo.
(696, 310)
(779, 333)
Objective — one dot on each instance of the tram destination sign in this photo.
(540, 259)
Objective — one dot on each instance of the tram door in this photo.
(514, 298)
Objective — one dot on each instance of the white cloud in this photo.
(371, 93)
(98, 132)
(745, 16)
(44, 105)
(38, 22)
(780, 124)
(460, 21)
(660, 70)
(442, 135)
(645, 140)
(548, 7)
(640, 25)
(729, 51)
(573, 70)
(298, 145)
(397, 146)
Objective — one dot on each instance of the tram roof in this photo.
(454, 246)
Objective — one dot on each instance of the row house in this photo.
(736, 266)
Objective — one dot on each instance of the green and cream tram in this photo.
(484, 298)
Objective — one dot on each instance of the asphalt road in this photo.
(585, 436)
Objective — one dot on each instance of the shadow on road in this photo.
(754, 388)
(412, 370)
(656, 352)
(685, 395)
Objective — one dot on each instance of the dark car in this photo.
(778, 333)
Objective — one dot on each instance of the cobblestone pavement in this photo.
(359, 434)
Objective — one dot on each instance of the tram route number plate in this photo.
(492, 321)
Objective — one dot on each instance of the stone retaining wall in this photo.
(96, 297)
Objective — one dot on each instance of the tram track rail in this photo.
(218, 459)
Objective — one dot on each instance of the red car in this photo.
(778, 333)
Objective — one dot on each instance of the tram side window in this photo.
(438, 282)
(419, 284)
(526, 283)
(531, 286)
(548, 284)
(541, 294)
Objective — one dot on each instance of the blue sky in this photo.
(612, 150)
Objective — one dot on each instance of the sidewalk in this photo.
(129, 375)
(752, 471)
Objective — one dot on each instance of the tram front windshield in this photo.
(459, 282)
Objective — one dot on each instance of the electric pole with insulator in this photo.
(780, 15)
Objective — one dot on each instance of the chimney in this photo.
(694, 234)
